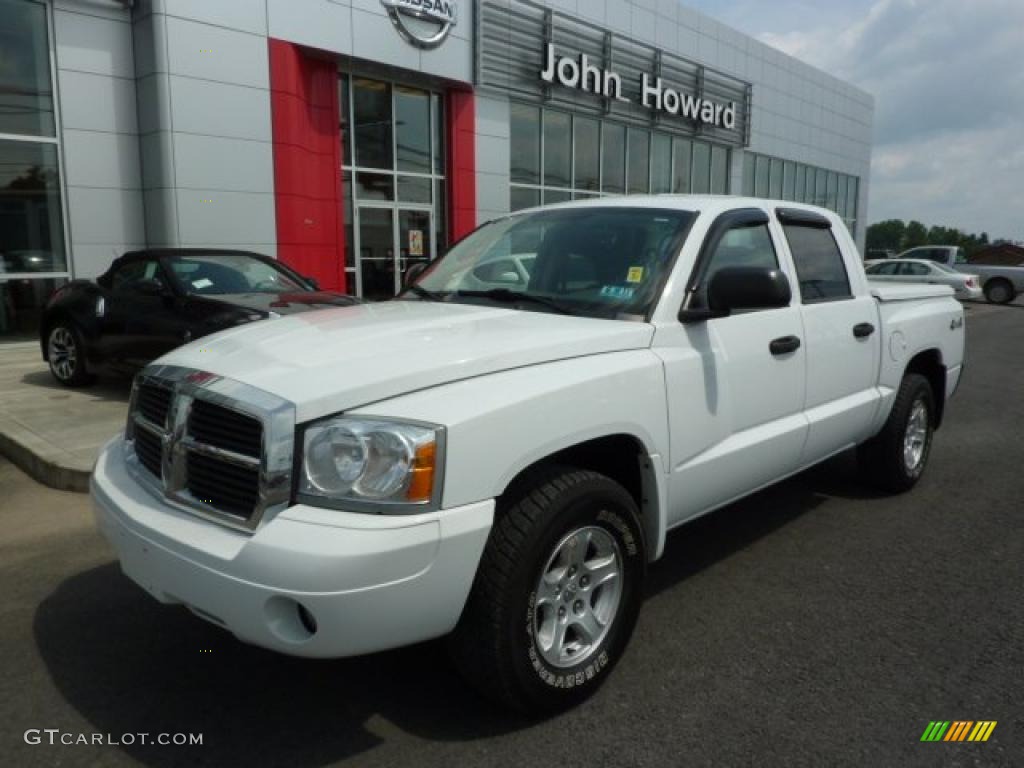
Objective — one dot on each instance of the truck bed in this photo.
(886, 292)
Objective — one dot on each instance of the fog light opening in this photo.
(306, 618)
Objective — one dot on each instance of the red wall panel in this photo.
(461, 171)
(307, 163)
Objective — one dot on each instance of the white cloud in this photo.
(948, 81)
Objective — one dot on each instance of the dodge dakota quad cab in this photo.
(500, 462)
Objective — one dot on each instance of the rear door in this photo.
(735, 407)
(840, 324)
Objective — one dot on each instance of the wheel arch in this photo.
(624, 458)
(929, 363)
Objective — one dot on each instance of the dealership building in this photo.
(353, 138)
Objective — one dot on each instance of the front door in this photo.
(390, 240)
(735, 385)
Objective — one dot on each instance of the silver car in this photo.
(922, 271)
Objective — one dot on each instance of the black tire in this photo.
(883, 459)
(999, 291)
(65, 354)
(496, 645)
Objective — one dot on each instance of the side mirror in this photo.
(741, 288)
(313, 283)
(150, 287)
(412, 272)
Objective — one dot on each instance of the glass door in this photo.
(391, 240)
(415, 244)
(376, 243)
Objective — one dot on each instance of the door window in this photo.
(819, 264)
(910, 269)
(888, 268)
(129, 274)
(739, 247)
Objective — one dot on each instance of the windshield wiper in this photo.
(423, 293)
(505, 296)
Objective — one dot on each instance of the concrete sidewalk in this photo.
(52, 432)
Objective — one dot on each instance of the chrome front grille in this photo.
(211, 445)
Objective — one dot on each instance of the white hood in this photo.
(338, 359)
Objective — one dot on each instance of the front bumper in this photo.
(369, 582)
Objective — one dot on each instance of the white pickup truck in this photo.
(500, 462)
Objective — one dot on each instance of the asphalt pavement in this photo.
(816, 623)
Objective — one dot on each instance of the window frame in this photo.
(725, 222)
(795, 217)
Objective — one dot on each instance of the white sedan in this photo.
(923, 271)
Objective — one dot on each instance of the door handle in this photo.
(784, 345)
(863, 330)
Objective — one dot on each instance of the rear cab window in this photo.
(820, 267)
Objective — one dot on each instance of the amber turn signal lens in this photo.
(421, 485)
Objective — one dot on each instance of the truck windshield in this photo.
(597, 262)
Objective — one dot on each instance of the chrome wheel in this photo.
(915, 439)
(62, 353)
(578, 595)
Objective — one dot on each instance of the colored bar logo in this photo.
(958, 730)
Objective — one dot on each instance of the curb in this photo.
(46, 471)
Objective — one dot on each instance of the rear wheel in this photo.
(557, 592)
(895, 458)
(999, 291)
(66, 356)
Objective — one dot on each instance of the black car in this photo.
(151, 301)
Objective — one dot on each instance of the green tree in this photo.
(886, 235)
(915, 234)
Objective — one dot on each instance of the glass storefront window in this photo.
(800, 193)
(414, 189)
(525, 144)
(394, 195)
(775, 182)
(832, 191)
(661, 163)
(586, 154)
(719, 170)
(789, 180)
(761, 176)
(524, 197)
(31, 227)
(701, 180)
(372, 107)
(681, 166)
(375, 186)
(613, 158)
(344, 108)
(26, 89)
(639, 167)
(748, 174)
(412, 129)
(437, 139)
(557, 149)
(556, 196)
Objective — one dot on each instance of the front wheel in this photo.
(895, 458)
(66, 356)
(557, 592)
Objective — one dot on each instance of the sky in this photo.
(948, 82)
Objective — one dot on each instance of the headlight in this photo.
(370, 464)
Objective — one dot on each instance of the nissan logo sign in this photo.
(424, 23)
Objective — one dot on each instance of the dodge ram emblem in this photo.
(424, 23)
